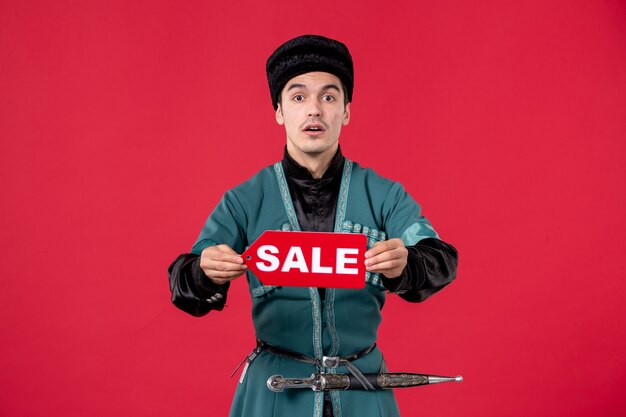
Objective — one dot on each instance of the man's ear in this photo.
(279, 115)
(346, 114)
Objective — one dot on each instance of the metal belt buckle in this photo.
(331, 361)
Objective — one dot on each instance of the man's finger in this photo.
(379, 247)
(215, 259)
(384, 246)
(223, 274)
(226, 257)
(385, 256)
(222, 253)
(223, 266)
(390, 264)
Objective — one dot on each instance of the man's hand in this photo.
(221, 264)
(388, 258)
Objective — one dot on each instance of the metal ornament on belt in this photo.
(333, 382)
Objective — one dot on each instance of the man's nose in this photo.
(314, 109)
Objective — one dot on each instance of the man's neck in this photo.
(315, 164)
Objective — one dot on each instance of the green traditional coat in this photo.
(295, 318)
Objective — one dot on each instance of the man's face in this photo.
(312, 109)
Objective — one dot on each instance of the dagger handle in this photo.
(335, 382)
(316, 382)
(278, 383)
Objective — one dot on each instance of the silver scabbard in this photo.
(333, 382)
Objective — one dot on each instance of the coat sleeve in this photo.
(431, 262)
(191, 291)
(431, 265)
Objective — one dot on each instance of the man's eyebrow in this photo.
(295, 85)
(331, 86)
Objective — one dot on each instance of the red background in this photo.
(122, 123)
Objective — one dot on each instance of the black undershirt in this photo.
(314, 200)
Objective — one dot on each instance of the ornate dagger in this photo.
(332, 382)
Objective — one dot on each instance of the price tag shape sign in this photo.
(308, 259)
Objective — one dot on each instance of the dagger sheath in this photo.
(334, 382)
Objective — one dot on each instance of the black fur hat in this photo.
(308, 53)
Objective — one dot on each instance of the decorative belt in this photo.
(331, 362)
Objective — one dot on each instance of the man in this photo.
(314, 188)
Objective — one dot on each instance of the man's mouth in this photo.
(314, 128)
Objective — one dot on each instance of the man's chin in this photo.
(314, 146)
(317, 150)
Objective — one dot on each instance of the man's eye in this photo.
(328, 98)
(299, 97)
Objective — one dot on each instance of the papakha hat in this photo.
(308, 53)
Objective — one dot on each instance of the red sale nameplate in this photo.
(308, 259)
